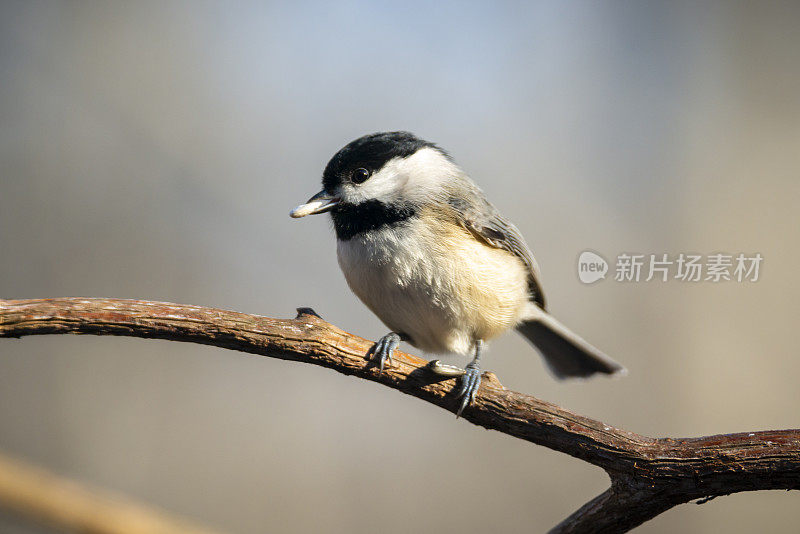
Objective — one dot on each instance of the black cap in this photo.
(371, 152)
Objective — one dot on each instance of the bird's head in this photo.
(394, 169)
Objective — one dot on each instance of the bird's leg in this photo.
(470, 376)
(384, 348)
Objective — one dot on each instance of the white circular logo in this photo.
(591, 267)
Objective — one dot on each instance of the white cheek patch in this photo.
(417, 177)
(385, 185)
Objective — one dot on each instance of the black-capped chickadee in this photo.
(421, 246)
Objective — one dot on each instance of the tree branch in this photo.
(47, 498)
(648, 475)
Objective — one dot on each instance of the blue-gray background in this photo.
(153, 150)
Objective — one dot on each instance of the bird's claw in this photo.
(470, 383)
(470, 380)
(383, 349)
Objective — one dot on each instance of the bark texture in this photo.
(648, 475)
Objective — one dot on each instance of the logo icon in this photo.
(591, 267)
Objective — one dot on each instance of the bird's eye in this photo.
(360, 175)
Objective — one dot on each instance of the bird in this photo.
(421, 246)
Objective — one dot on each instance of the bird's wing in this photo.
(486, 223)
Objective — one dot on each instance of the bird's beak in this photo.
(319, 203)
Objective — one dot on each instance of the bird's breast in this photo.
(435, 283)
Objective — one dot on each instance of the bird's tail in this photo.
(566, 354)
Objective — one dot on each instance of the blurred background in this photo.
(153, 151)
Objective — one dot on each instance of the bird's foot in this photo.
(470, 380)
(383, 349)
(470, 383)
